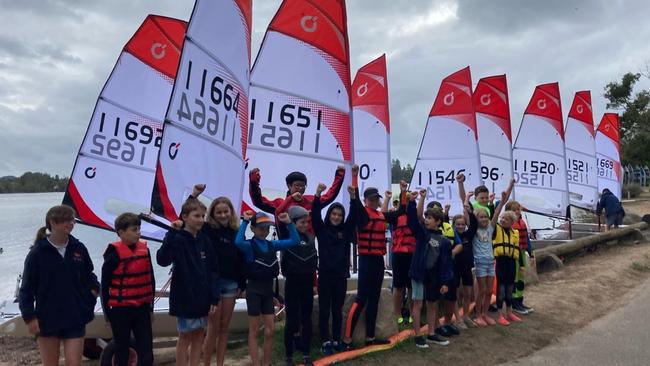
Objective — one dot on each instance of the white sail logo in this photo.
(308, 23)
(362, 89)
(541, 104)
(579, 108)
(486, 99)
(158, 50)
(448, 99)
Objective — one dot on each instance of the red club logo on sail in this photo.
(362, 89)
(308, 23)
(579, 108)
(158, 50)
(90, 172)
(448, 99)
(486, 99)
(541, 104)
(173, 149)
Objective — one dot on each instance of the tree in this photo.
(396, 171)
(634, 110)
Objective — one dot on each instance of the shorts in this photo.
(69, 333)
(185, 325)
(428, 292)
(401, 267)
(463, 273)
(484, 268)
(614, 220)
(228, 288)
(259, 304)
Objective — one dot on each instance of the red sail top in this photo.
(491, 99)
(581, 110)
(546, 103)
(609, 126)
(455, 99)
(246, 10)
(370, 90)
(158, 43)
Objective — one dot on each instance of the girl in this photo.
(58, 277)
(464, 261)
(221, 227)
(525, 246)
(261, 268)
(507, 254)
(194, 293)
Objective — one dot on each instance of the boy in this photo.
(431, 269)
(261, 268)
(194, 291)
(128, 288)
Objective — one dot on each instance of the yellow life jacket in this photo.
(506, 243)
(448, 231)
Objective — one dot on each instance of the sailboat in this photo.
(539, 155)
(608, 155)
(449, 145)
(581, 153)
(492, 109)
(114, 169)
(371, 128)
(205, 126)
(300, 101)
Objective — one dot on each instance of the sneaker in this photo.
(460, 324)
(306, 360)
(529, 309)
(410, 320)
(452, 329)
(480, 322)
(513, 318)
(489, 320)
(436, 339)
(469, 322)
(376, 342)
(492, 309)
(442, 331)
(519, 309)
(344, 347)
(327, 348)
(400, 321)
(502, 321)
(420, 342)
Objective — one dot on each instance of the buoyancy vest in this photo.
(403, 238)
(371, 239)
(131, 284)
(264, 265)
(448, 231)
(520, 226)
(301, 259)
(506, 243)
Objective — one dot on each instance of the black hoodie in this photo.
(59, 286)
(333, 241)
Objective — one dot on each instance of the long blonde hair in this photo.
(57, 214)
(233, 222)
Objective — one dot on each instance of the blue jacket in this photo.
(195, 274)
(264, 245)
(610, 204)
(444, 266)
(57, 290)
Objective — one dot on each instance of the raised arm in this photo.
(384, 204)
(294, 237)
(335, 188)
(351, 220)
(255, 193)
(504, 198)
(362, 218)
(316, 207)
(391, 217)
(420, 209)
(460, 178)
(412, 217)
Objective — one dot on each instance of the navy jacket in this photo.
(195, 274)
(610, 204)
(57, 290)
(333, 241)
(466, 237)
(444, 266)
(229, 258)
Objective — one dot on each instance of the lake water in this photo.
(20, 217)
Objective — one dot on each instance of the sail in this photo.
(449, 145)
(371, 125)
(610, 171)
(114, 170)
(538, 154)
(492, 109)
(299, 99)
(581, 153)
(207, 116)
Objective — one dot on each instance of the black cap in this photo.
(433, 204)
(371, 192)
(295, 176)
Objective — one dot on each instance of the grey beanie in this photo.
(297, 212)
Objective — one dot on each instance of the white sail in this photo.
(371, 120)
(539, 156)
(114, 171)
(449, 145)
(581, 153)
(608, 154)
(492, 109)
(207, 117)
(300, 99)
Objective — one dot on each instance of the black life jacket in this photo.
(301, 259)
(264, 265)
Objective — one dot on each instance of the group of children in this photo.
(213, 263)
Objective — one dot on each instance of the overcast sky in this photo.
(55, 55)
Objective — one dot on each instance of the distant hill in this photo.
(33, 183)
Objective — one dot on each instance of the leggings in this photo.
(331, 295)
(505, 271)
(371, 276)
(299, 301)
(125, 320)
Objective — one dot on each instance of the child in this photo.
(221, 227)
(431, 268)
(506, 253)
(402, 254)
(334, 239)
(296, 185)
(58, 276)
(525, 246)
(194, 292)
(483, 199)
(128, 287)
(261, 268)
(371, 244)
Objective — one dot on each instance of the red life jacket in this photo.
(403, 239)
(131, 284)
(520, 225)
(372, 238)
